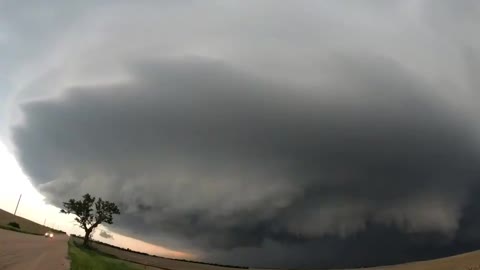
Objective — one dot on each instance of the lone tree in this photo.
(88, 217)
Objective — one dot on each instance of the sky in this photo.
(252, 132)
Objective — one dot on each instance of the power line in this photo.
(17, 205)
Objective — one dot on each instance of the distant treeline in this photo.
(56, 231)
(146, 254)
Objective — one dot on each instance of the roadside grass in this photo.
(86, 259)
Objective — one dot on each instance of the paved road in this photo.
(19, 251)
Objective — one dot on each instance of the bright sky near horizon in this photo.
(33, 207)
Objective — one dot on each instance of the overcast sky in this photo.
(262, 133)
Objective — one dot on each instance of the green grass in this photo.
(86, 259)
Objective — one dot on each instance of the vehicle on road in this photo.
(49, 235)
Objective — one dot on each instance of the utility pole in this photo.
(45, 220)
(17, 205)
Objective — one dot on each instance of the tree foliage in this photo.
(90, 212)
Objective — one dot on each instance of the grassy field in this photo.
(84, 259)
(10, 228)
(466, 261)
(152, 261)
(26, 225)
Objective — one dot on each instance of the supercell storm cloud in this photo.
(266, 135)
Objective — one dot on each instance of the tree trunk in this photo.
(86, 239)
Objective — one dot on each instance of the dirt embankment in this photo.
(25, 224)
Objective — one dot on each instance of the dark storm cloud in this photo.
(293, 138)
(218, 159)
